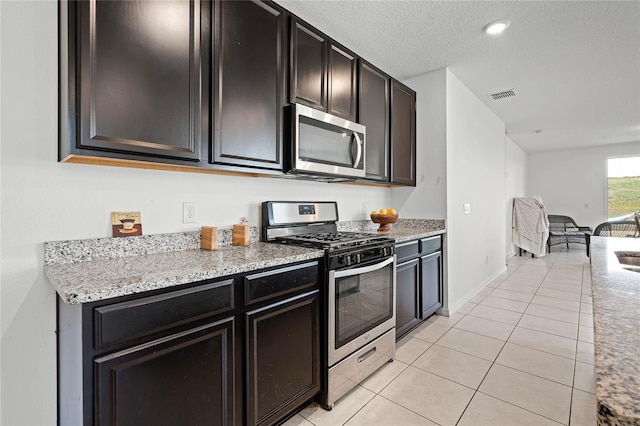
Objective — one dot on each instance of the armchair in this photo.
(563, 229)
(629, 227)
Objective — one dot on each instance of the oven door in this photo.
(361, 306)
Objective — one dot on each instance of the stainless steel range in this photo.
(359, 299)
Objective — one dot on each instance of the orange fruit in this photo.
(392, 211)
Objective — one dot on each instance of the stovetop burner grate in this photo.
(333, 239)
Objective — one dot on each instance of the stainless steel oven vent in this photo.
(503, 95)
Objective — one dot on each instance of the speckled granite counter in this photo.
(616, 318)
(84, 271)
(402, 230)
(89, 280)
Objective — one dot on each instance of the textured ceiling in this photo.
(574, 64)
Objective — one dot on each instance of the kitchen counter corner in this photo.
(616, 318)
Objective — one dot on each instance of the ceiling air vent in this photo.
(503, 95)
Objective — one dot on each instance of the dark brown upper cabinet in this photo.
(403, 134)
(133, 80)
(248, 84)
(343, 77)
(308, 65)
(373, 112)
(323, 74)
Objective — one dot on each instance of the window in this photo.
(623, 183)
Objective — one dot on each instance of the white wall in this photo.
(461, 153)
(475, 175)
(1, 49)
(515, 185)
(574, 182)
(428, 198)
(43, 200)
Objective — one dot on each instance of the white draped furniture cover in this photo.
(530, 225)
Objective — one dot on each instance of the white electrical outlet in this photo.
(189, 212)
(467, 208)
(364, 208)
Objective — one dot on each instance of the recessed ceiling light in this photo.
(496, 27)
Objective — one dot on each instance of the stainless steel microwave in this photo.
(325, 145)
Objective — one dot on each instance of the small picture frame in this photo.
(126, 224)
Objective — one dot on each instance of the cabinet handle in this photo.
(367, 354)
(359, 144)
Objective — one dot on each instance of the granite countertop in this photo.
(616, 319)
(83, 271)
(402, 230)
(83, 282)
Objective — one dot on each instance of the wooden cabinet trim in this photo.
(119, 322)
(407, 250)
(110, 368)
(411, 310)
(352, 87)
(279, 282)
(295, 96)
(224, 146)
(430, 291)
(430, 245)
(253, 319)
(88, 136)
(363, 105)
(403, 170)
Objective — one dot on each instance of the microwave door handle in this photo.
(359, 153)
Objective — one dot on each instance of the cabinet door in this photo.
(308, 74)
(139, 78)
(373, 112)
(431, 287)
(248, 84)
(343, 74)
(185, 378)
(407, 295)
(283, 356)
(403, 134)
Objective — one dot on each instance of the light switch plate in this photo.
(467, 208)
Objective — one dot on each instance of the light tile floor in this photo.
(519, 353)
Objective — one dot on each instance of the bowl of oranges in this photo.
(384, 217)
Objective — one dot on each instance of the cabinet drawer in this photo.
(148, 315)
(265, 285)
(431, 244)
(407, 250)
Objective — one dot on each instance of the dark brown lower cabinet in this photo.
(283, 357)
(407, 296)
(184, 378)
(418, 282)
(431, 286)
(236, 350)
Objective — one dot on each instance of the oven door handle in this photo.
(363, 270)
